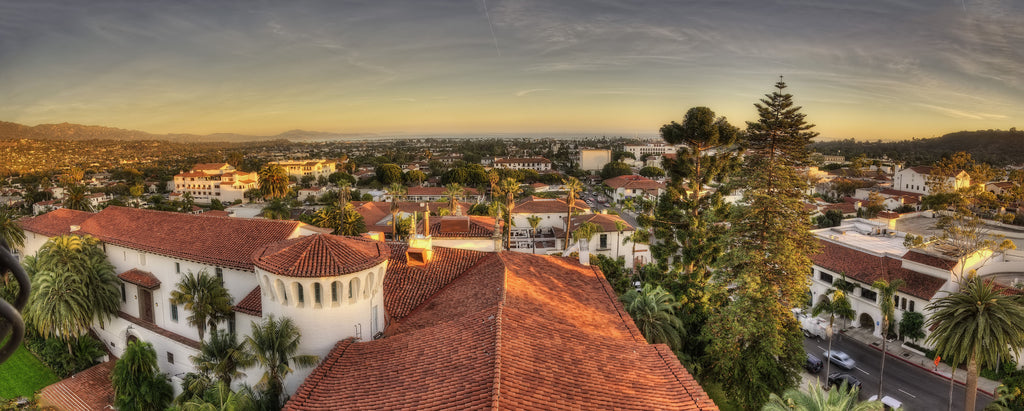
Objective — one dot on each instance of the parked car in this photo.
(813, 364)
(841, 359)
(888, 403)
(837, 378)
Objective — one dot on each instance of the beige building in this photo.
(594, 159)
(315, 168)
(220, 181)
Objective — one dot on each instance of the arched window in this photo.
(268, 289)
(279, 285)
(299, 297)
(371, 285)
(353, 289)
(335, 291)
(316, 293)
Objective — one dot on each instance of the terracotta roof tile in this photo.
(320, 255)
(514, 331)
(606, 222)
(407, 287)
(537, 205)
(459, 227)
(867, 268)
(252, 304)
(54, 223)
(140, 278)
(227, 242)
(930, 260)
(633, 181)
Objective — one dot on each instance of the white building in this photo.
(302, 168)
(915, 180)
(594, 159)
(219, 181)
(367, 301)
(632, 186)
(650, 149)
(539, 164)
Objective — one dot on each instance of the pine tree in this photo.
(756, 346)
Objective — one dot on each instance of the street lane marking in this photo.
(821, 348)
(911, 395)
(862, 370)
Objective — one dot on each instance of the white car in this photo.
(889, 403)
(841, 359)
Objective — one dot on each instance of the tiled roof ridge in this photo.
(319, 373)
(496, 394)
(677, 370)
(619, 309)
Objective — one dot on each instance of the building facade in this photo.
(216, 181)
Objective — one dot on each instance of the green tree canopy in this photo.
(274, 181)
(138, 385)
(206, 299)
(388, 174)
(615, 169)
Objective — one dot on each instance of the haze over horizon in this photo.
(873, 69)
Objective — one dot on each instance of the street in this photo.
(918, 389)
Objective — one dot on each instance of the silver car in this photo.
(841, 359)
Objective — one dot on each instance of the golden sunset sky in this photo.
(868, 69)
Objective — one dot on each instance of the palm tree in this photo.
(837, 305)
(10, 232)
(273, 181)
(509, 188)
(816, 398)
(620, 226)
(78, 271)
(137, 382)
(395, 190)
(977, 325)
(641, 236)
(585, 231)
(654, 311)
(77, 199)
(222, 357)
(492, 179)
(888, 308)
(273, 344)
(205, 297)
(534, 222)
(453, 191)
(572, 187)
(220, 397)
(59, 306)
(277, 209)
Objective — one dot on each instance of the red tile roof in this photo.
(140, 278)
(515, 331)
(606, 222)
(868, 268)
(252, 304)
(633, 181)
(930, 260)
(87, 390)
(537, 205)
(459, 227)
(54, 223)
(320, 255)
(407, 287)
(522, 160)
(226, 242)
(845, 208)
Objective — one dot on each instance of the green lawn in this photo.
(23, 375)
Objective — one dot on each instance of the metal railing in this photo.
(11, 314)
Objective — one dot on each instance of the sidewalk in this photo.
(895, 350)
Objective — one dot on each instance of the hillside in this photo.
(78, 132)
(996, 147)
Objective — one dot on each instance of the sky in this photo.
(865, 69)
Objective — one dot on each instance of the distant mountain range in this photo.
(68, 131)
(996, 147)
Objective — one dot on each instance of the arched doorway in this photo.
(866, 322)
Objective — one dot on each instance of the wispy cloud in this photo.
(522, 93)
(956, 113)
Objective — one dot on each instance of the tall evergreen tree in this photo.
(756, 345)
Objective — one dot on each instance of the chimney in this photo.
(426, 222)
(75, 228)
(420, 251)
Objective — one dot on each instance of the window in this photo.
(124, 294)
(220, 272)
(604, 241)
(231, 323)
(316, 293)
(298, 293)
(177, 267)
(826, 277)
(174, 312)
(142, 258)
(868, 294)
(334, 291)
(170, 357)
(903, 305)
(911, 305)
